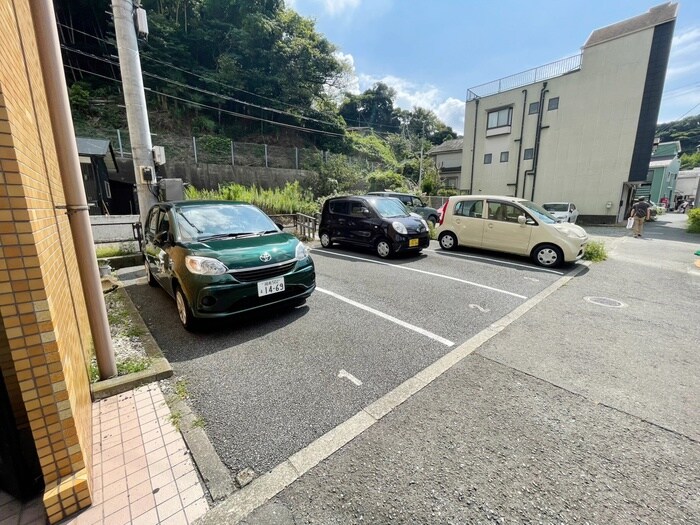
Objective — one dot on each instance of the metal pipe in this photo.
(44, 19)
(538, 135)
(520, 147)
(476, 114)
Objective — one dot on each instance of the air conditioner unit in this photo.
(159, 155)
(141, 22)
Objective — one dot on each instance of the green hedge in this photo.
(694, 220)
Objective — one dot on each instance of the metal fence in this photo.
(538, 74)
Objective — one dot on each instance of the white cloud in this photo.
(685, 49)
(330, 7)
(410, 95)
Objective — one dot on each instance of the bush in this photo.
(595, 251)
(381, 180)
(694, 220)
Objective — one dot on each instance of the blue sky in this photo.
(432, 51)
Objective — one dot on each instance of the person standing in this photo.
(641, 211)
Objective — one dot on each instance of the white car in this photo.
(566, 211)
(511, 225)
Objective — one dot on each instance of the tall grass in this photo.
(290, 199)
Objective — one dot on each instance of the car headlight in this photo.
(399, 228)
(302, 252)
(425, 224)
(205, 265)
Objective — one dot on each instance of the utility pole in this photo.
(420, 170)
(135, 101)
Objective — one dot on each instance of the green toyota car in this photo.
(219, 258)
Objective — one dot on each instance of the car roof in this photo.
(388, 193)
(500, 197)
(190, 203)
(557, 202)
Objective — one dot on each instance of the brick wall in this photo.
(46, 330)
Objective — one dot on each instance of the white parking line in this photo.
(500, 261)
(352, 378)
(400, 267)
(388, 317)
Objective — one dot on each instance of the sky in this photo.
(432, 51)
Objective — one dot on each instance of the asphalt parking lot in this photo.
(268, 385)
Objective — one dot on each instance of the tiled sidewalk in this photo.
(142, 470)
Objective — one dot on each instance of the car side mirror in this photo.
(522, 220)
(280, 226)
(162, 237)
(365, 212)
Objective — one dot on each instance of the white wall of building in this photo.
(586, 148)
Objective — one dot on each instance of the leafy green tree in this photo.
(374, 108)
(381, 180)
(690, 160)
(687, 131)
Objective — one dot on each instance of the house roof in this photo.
(667, 149)
(656, 16)
(447, 146)
(97, 148)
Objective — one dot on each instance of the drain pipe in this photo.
(44, 19)
(476, 115)
(520, 146)
(538, 135)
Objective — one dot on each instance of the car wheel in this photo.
(384, 248)
(184, 311)
(326, 240)
(548, 255)
(448, 241)
(432, 220)
(149, 276)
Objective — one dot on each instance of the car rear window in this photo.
(341, 207)
(556, 206)
(469, 208)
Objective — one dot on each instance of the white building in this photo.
(448, 161)
(580, 129)
(687, 183)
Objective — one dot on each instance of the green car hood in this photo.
(248, 252)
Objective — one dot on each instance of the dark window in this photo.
(340, 207)
(357, 209)
(499, 118)
(553, 104)
(504, 156)
(487, 158)
(469, 208)
(500, 211)
(534, 108)
(529, 153)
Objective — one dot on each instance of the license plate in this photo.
(412, 243)
(271, 286)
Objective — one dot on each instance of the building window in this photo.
(529, 153)
(504, 156)
(534, 108)
(553, 104)
(499, 118)
(487, 158)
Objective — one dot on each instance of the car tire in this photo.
(326, 241)
(432, 220)
(548, 255)
(149, 276)
(447, 241)
(383, 248)
(184, 312)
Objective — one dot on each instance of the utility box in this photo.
(159, 155)
(141, 22)
(171, 190)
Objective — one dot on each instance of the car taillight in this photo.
(441, 211)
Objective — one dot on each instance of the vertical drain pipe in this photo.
(520, 147)
(538, 135)
(44, 19)
(476, 115)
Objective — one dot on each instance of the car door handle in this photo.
(490, 225)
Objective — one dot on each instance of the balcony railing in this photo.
(538, 74)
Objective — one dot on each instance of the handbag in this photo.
(630, 223)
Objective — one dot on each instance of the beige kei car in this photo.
(511, 225)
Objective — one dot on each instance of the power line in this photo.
(201, 90)
(228, 112)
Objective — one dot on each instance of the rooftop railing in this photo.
(538, 74)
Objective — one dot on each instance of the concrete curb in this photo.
(242, 503)
(214, 473)
(159, 369)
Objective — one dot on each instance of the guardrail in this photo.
(304, 226)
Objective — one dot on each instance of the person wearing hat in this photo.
(641, 211)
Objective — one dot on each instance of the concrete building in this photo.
(687, 184)
(663, 170)
(448, 161)
(580, 129)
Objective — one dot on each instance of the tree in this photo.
(374, 108)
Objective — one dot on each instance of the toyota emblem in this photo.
(265, 257)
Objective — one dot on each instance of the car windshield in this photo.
(222, 221)
(539, 212)
(389, 207)
(556, 206)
